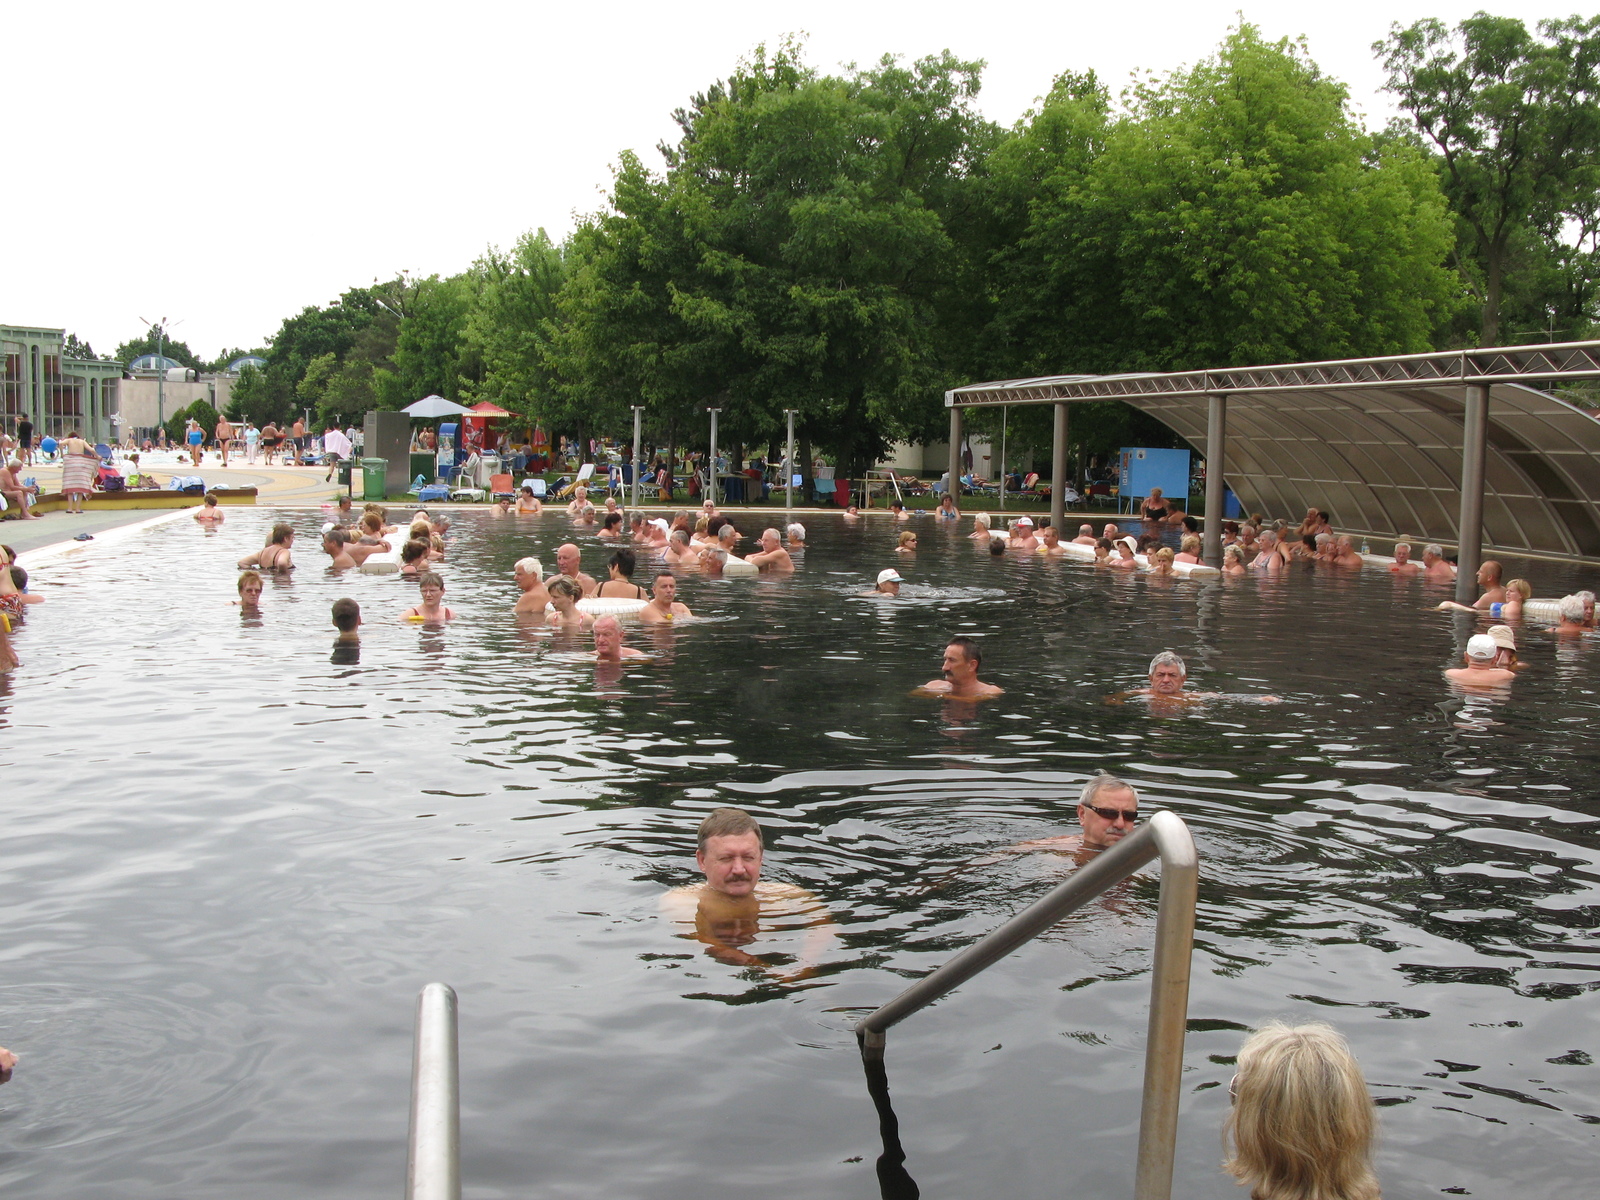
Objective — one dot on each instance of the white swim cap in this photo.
(889, 575)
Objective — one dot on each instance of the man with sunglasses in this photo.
(1107, 810)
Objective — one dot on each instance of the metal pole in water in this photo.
(1058, 470)
(711, 463)
(1474, 446)
(433, 1165)
(638, 410)
(1216, 450)
(788, 482)
(1005, 418)
(955, 448)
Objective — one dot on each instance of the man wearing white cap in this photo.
(1480, 670)
(1022, 534)
(889, 582)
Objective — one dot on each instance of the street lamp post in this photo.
(788, 465)
(638, 410)
(711, 463)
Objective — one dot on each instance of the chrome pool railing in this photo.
(433, 1161)
(1166, 837)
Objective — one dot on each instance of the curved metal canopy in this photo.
(1378, 443)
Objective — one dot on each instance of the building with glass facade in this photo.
(58, 394)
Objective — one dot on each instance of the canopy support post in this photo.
(1058, 472)
(955, 451)
(1469, 536)
(1216, 451)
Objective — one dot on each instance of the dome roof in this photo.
(154, 362)
(247, 360)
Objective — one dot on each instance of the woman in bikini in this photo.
(621, 585)
(274, 556)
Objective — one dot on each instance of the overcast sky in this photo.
(225, 165)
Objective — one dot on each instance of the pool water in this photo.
(230, 862)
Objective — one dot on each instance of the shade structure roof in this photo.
(435, 406)
(487, 408)
(1378, 443)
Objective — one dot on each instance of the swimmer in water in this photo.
(1494, 591)
(1108, 809)
(772, 558)
(527, 503)
(1050, 542)
(431, 611)
(680, 552)
(608, 647)
(564, 596)
(1403, 567)
(1161, 563)
(797, 535)
(947, 508)
(664, 603)
(502, 507)
(962, 658)
(210, 513)
(347, 620)
(908, 542)
(249, 592)
(569, 562)
(335, 545)
(889, 582)
(852, 513)
(1102, 552)
(1085, 536)
(1022, 535)
(580, 497)
(728, 908)
(1168, 675)
(1480, 670)
(980, 528)
(274, 556)
(1125, 561)
(1233, 560)
(528, 574)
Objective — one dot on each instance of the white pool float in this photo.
(384, 562)
(605, 606)
(735, 565)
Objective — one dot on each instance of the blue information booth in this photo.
(1143, 468)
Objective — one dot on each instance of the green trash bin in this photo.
(372, 472)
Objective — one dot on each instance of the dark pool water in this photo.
(229, 863)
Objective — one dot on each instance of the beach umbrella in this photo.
(435, 406)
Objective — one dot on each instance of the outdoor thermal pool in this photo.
(229, 864)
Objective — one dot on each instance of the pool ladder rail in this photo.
(433, 1167)
(1166, 837)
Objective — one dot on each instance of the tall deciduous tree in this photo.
(1515, 119)
(1235, 214)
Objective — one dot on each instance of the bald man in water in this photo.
(569, 562)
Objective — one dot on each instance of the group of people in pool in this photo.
(1302, 1123)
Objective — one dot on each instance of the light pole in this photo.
(788, 465)
(638, 410)
(161, 370)
(711, 463)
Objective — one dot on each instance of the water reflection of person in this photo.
(728, 909)
(347, 620)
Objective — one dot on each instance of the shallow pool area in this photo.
(231, 861)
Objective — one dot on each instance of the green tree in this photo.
(796, 254)
(200, 410)
(178, 352)
(432, 355)
(72, 347)
(1236, 214)
(1515, 120)
(512, 326)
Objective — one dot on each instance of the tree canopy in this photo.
(1515, 121)
(851, 244)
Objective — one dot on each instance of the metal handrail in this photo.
(433, 1163)
(1165, 837)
